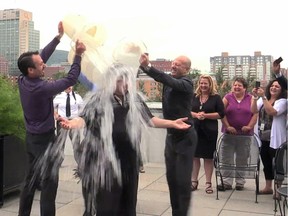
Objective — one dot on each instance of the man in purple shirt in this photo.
(36, 97)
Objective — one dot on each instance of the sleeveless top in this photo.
(238, 114)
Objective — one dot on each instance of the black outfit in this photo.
(36, 146)
(120, 200)
(207, 129)
(267, 155)
(180, 145)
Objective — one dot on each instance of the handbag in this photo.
(264, 125)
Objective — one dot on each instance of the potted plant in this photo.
(12, 132)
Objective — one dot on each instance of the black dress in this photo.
(207, 129)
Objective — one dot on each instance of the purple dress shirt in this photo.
(37, 94)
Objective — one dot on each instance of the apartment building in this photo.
(17, 36)
(258, 66)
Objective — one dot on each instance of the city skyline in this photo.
(200, 30)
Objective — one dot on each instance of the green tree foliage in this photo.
(251, 81)
(59, 75)
(219, 76)
(225, 85)
(194, 74)
(141, 87)
(11, 114)
(158, 98)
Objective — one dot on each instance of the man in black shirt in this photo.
(180, 145)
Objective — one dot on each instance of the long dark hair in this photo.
(283, 93)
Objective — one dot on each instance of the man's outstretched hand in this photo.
(180, 124)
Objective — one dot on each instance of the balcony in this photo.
(153, 194)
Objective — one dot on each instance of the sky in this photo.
(198, 29)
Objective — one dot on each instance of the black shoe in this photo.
(224, 187)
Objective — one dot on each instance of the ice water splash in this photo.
(98, 149)
(47, 166)
(98, 164)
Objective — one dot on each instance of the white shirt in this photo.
(59, 103)
(278, 129)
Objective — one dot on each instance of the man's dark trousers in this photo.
(36, 146)
(179, 154)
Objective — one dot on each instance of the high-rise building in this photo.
(258, 66)
(17, 36)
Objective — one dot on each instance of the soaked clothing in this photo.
(122, 196)
(180, 145)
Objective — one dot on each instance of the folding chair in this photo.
(281, 178)
(240, 161)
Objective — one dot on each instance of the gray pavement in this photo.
(153, 196)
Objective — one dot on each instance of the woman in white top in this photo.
(272, 108)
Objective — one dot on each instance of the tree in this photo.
(141, 87)
(223, 85)
(219, 76)
(194, 74)
(250, 81)
(158, 97)
(11, 114)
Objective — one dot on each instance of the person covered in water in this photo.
(114, 117)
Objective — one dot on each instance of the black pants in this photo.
(36, 145)
(267, 154)
(121, 200)
(179, 154)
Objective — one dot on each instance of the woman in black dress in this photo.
(207, 107)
